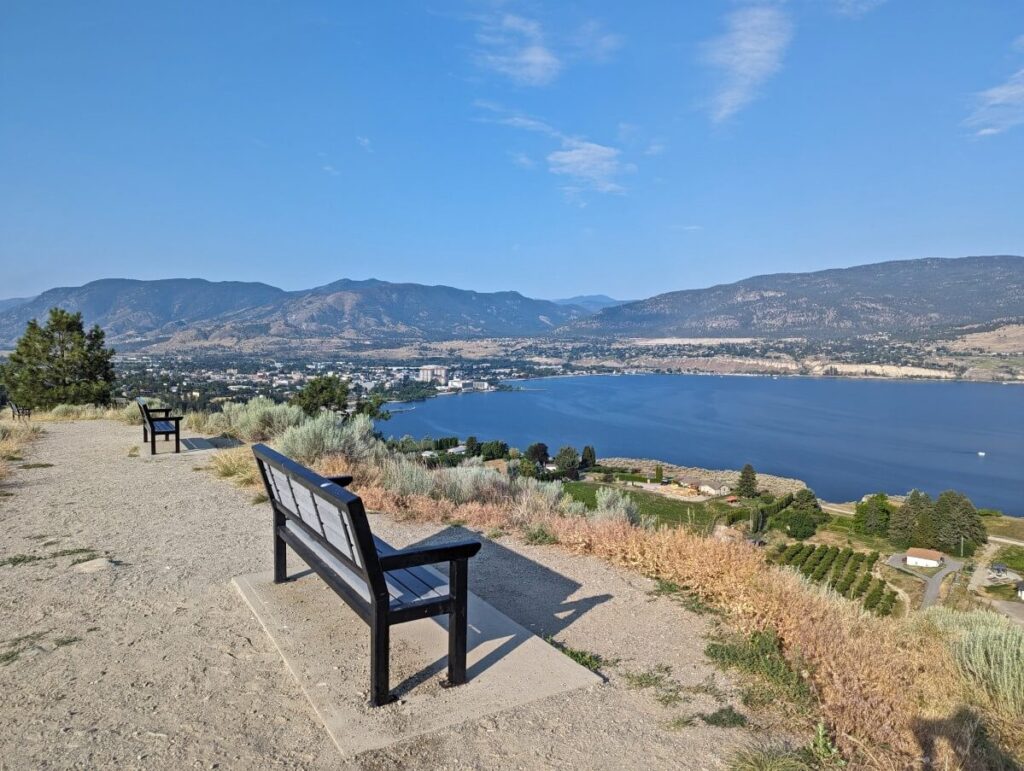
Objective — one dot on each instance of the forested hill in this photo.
(909, 297)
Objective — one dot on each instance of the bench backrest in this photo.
(144, 409)
(326, 517)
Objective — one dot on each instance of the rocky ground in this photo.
(124, 643)
(773, 484)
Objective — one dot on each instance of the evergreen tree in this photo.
(328, 392)
(957, 524)
(872, 516)
(568, 461)
(60, 363)
(746, 487)
(472, 446)
(659, 472)
(589, 457)
(538, 453)
(904, 521)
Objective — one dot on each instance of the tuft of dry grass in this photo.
(238, 465)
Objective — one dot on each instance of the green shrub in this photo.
(615, 506)
(261, 419)
(989, 650)
(312, 440)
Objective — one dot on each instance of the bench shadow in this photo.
(964, 733)
(533, 595)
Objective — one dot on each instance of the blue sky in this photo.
(555, 149)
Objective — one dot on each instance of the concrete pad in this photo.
(326, 647)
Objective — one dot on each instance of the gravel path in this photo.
(152, 660)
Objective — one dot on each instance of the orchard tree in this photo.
(322, 393)
(746, 487)
(59, 363)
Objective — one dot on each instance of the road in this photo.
(932, 584)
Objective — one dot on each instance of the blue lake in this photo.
(843, 437)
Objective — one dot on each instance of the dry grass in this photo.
(886, 687)
(238, 465)
(880, 683)
(14, 437)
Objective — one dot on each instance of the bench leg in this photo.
(280, 555)
(457, 621)
(152, 443)
(145, 433)
(177, 442)
(380, 647)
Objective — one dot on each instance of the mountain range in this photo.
(908, 298)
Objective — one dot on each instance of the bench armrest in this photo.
(164, 410)
(429, 555)
(342, 481)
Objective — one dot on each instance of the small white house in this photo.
(924, 558)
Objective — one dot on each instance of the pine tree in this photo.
(60, 363)
(589, 457)
(872, 516)
(746, 487)
(904, 521)
(327, 392)
(958, 524)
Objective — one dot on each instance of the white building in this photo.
(924, 558)
(429, 373)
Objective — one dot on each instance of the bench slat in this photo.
(412, 584)
(353, 579)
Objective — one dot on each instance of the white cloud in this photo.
(364, 142)
(591, 165)
(514, 46)
(856, 7)
(592, 41)
(329, 169)
(747, 55)
(588, 165)
(655, 148)
(522, 159)
(999, 108)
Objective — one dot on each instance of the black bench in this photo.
(20, 413)
(158, 421)
(326, 525)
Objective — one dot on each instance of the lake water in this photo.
(843, 437)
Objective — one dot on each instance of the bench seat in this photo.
(327, 527)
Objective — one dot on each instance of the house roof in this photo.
(926, 554)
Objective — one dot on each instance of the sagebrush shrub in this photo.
(261, 419)
(313, 439)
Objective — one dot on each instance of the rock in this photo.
(94, 566)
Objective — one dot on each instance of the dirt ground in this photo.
(143, 655)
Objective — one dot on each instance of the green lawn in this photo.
(1003, 592)
(1012, 556)
(667, 511)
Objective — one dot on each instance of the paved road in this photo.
(932, 584)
